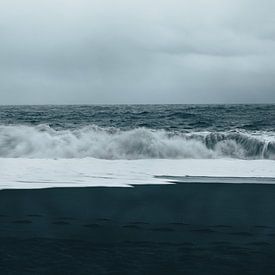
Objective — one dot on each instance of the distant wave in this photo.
(111, 143)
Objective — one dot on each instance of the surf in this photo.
(43, 141)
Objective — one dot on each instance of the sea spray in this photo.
(43, 141)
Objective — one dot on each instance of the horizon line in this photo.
(125, 104)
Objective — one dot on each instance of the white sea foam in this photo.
(110, 143)
(43, 173)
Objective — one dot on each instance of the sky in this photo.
(137, 52)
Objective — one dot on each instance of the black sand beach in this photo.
(186, 228)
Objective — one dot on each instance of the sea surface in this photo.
(199, 197)
(138, 131)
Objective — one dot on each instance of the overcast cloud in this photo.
(135, 51)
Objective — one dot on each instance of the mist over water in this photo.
(138, 132)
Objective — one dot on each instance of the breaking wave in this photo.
(111, 143)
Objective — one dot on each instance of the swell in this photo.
(142, 143)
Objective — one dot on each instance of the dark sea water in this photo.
(183, 118)
(138, 131)
(201, 225)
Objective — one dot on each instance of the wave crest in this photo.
(110, 143)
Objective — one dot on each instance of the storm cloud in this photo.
(105, 52)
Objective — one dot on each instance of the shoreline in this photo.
(183, 227)
(193, 203)
(89, 172)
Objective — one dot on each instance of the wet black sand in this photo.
(162, 229)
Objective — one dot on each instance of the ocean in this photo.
(137, 189)
(116, 145)
(138, 131)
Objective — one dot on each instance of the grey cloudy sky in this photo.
(137, 51)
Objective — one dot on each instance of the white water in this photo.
(110, 143)
(43, 173)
